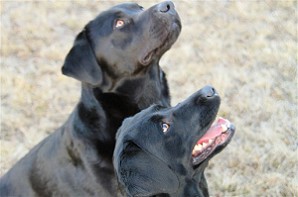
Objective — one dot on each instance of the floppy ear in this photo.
(80, 63)
(143, 174)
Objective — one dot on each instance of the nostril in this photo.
(208, 92)
(211, 92)
(165, 7)
(168, 7)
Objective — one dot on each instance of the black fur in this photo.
(151, 162)
(120, 75)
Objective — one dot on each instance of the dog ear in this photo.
(143, 174)
(80, 63)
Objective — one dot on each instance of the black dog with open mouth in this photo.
(164, 151)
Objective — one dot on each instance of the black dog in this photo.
(116, 57)
(164, 151)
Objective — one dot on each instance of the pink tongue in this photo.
(214, 131)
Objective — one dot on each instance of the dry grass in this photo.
(246, 49)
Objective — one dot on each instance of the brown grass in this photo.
(246, 49)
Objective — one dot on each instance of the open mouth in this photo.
(218, 134)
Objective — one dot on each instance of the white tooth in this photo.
(224, 127)
(196, 148)
(193, 152)
(210, 141)
(204, 145)
(200, 147)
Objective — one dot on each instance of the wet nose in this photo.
(165, 6)
(208, 92)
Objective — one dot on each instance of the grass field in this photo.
(246, 49)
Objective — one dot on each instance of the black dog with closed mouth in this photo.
(116, 57)
(163, 151)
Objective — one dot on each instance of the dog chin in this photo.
(165, 39)
(216, 138)
(157, 52)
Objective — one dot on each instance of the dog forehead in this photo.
(127, 7)
(121, 10)
(132, 123)
(144, 115)
(141, 128)
(105, 18)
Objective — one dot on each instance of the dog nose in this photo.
(165, 6)
(208, 92)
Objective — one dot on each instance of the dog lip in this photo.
(218, 135)
(218, 127)
(146, 59)
(170, 38)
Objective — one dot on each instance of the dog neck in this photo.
(201, 179)
(100, 113)
(145, 86)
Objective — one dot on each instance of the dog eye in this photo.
(165, 127)
(119, 23)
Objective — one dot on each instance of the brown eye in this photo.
(119, 23)
(165, 127)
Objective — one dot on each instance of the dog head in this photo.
(121, 42)
(159, 151)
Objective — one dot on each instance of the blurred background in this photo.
(246, 49)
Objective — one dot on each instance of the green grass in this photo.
(246, 49)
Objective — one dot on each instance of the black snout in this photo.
(208, 92)
(165, 6)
